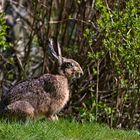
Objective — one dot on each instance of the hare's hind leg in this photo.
(21, 109)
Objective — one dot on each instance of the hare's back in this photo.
(45, 85)
(31, 88)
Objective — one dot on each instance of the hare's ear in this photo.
(59, 54)
(53, 52)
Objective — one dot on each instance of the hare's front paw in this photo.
(53, 118)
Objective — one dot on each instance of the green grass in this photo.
(62, 130)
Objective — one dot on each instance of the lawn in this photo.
(62, 130)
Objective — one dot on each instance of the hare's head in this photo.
(67, 67)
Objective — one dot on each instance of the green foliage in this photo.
(121, 31)
(3, 28)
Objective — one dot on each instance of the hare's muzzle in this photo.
(79, 73)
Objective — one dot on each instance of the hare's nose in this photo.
(81, 74)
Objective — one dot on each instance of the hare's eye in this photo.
(68, 65)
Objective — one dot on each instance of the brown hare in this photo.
(42, 96)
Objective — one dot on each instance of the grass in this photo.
(62, 130)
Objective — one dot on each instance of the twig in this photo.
(89, 22)
(109, 10)
(97, 88)
(3, 58)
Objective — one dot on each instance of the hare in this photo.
(45, 95)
